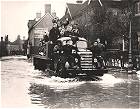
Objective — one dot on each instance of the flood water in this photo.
(22, 86)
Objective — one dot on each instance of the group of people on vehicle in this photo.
(64, 29)
(61, 29)
(68, 52)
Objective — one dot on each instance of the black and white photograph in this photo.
(70, 54)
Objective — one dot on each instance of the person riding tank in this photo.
(54, 33)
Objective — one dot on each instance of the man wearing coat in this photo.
(54, 33)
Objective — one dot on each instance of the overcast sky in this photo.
(15, 14)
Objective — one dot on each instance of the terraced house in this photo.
(38, 27)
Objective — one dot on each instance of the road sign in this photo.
(39, 32)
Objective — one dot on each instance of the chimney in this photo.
(54, 14)
(79, 1)
(38, 16)
(47, 8)
(1, 39)
(6, 39)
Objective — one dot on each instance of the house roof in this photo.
(115, 2)
(73, 8)
(40, 20)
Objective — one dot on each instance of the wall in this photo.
(39, 29)
(45, 25)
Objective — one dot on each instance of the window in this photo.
(82, 44)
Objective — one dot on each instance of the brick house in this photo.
(39, 26)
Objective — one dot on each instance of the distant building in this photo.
(3, 50)
(37, 28)
(16, 47)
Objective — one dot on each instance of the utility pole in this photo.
(130, 48)
(130, 64)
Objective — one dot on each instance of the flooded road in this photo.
(22, 86)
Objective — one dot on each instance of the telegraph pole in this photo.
(130, 48)
(130, 64)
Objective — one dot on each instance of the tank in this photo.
(71, 63)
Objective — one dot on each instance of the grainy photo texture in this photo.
(70, 54)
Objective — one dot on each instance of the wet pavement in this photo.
(22, 86)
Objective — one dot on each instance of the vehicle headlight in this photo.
(67, 65)
(73, 51)
(62, 51)
(82, 58)
(76, 60)
(95, 60)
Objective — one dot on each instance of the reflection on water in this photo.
(22, 86)
(109, 92)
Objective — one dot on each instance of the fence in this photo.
(117, 58)
(112, 58)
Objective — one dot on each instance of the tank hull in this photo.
(43, 63)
